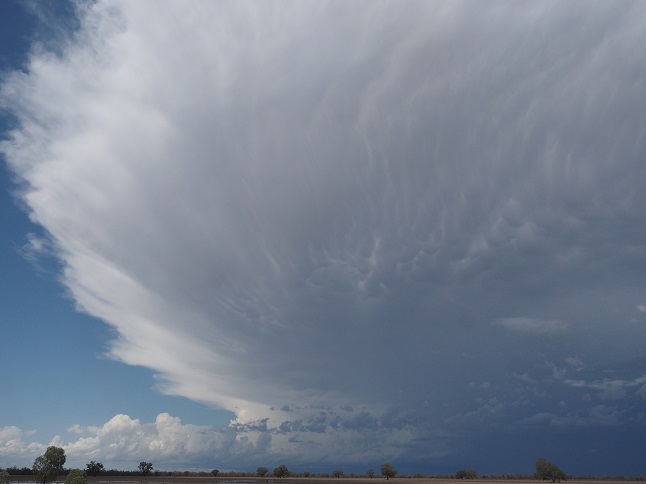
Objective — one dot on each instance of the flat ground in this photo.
(300, 480)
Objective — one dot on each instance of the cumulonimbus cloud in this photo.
(313, 207)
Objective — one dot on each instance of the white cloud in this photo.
(35, 248)
(13, 444)
(575, 363)
(610, 389)
(123, 441)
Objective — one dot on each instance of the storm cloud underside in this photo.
(369, 229)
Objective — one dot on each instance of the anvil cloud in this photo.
(371, 230)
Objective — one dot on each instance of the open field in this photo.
(302, 480)
(325, 480)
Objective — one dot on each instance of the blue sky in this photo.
(327, 235)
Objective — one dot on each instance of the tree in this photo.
(5, 477)
(48, 466)
(215, 472)
(145, 468)
(76, 476)
(55, 456)
(370, 473)
(262, 471)
(546, 471)
(466, 474)
(337, 473)
(43, 472)
(94, 468)
(388, 471)
(281, 471)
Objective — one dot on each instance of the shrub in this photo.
(76, 476)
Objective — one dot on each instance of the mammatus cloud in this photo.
(289, 210)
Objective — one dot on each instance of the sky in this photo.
(326, 234)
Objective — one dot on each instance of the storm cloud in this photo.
(369, 229)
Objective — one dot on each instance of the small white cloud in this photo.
(35, 248)
(558, 373)
(575, 363)
(525, 377)
(610, 390)
(641, 308)
(532, 325)
(76, 429)
(14, 446)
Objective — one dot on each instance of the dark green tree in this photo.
(546, 471)
(76, 476)
(388, 471)
(262, 471)
(281, 471)
(55, 456)
(215, 472)
(48, 466)
(94, 468)
(145, 468)
(337, 473)
(370, 473)
(466, 474)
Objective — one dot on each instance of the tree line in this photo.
(50, 466)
